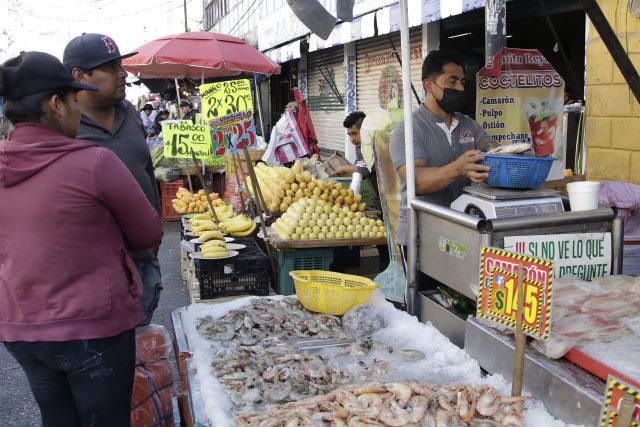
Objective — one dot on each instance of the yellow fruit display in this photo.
(238, 226)
(188, 202)
(310, 218)
(209, 235)
(282, 187)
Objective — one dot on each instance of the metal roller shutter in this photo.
(379, 75)
(325, 68)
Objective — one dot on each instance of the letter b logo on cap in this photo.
(111, 47)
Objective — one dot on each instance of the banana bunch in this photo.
(201, 216)
(224, 212)
(238, 226)
(200, 227)
(214, 249)
(211, 235)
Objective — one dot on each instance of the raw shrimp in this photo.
(417, 407)
(466, 403)
(393, 415)
(488, 403)
(402, 392)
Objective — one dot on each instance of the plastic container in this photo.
(246, 273)
(168, 191)
(329, 292)
(583, 195)
(299, 259)
(517, 171)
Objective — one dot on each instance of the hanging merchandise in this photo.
(305, 123)
(286, 143)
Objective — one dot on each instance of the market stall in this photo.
(510, 244)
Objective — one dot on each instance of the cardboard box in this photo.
(334, 162)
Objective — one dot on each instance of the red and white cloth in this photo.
(286, 143)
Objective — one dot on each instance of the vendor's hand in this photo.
(344, 170)
(467, 165)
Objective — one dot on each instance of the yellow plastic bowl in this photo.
(329, 292)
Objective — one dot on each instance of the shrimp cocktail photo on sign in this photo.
(180, 139)
(228, 109)
(497, 300)
(520, 99)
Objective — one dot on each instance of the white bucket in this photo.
(583, 195)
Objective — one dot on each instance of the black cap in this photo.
(91, 50)
(36, 72)
(185, 103)
(147, 107)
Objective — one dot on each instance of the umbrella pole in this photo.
(257, 89)
(177, 93)
(261, 212)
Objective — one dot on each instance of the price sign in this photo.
(497, 300)
(232, 133)
(225, 98)
(180, 139)
(620, 401)
(228, 108)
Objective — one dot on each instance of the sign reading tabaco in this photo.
(520, 98)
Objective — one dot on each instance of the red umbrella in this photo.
(198, 55)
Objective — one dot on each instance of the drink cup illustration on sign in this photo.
(542, 116)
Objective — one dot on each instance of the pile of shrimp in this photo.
(412, 403)
(269, 322)
(255, 376)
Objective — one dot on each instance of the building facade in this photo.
(613, 114)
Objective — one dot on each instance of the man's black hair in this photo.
(353, 119)
(437, 59)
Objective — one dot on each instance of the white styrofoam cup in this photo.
(583, 195)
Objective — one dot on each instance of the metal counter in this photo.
(449, 251)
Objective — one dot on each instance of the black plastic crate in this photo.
(246, 273)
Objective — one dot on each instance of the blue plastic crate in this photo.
(517, 171)
(299, 259)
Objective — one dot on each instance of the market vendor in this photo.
(360, 172)
(445, 142)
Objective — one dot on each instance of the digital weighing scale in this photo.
(492, 203)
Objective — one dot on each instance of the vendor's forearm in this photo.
(430, 180)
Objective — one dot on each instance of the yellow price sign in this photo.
(180, 139)
(503, 300)
(497, 299)
(224, 98)
(621, 407)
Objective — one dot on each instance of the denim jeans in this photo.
(80, 382)
(151, 286)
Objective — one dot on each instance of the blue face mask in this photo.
(452, 99)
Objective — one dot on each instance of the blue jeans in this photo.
(151, 286)
(80, 382)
